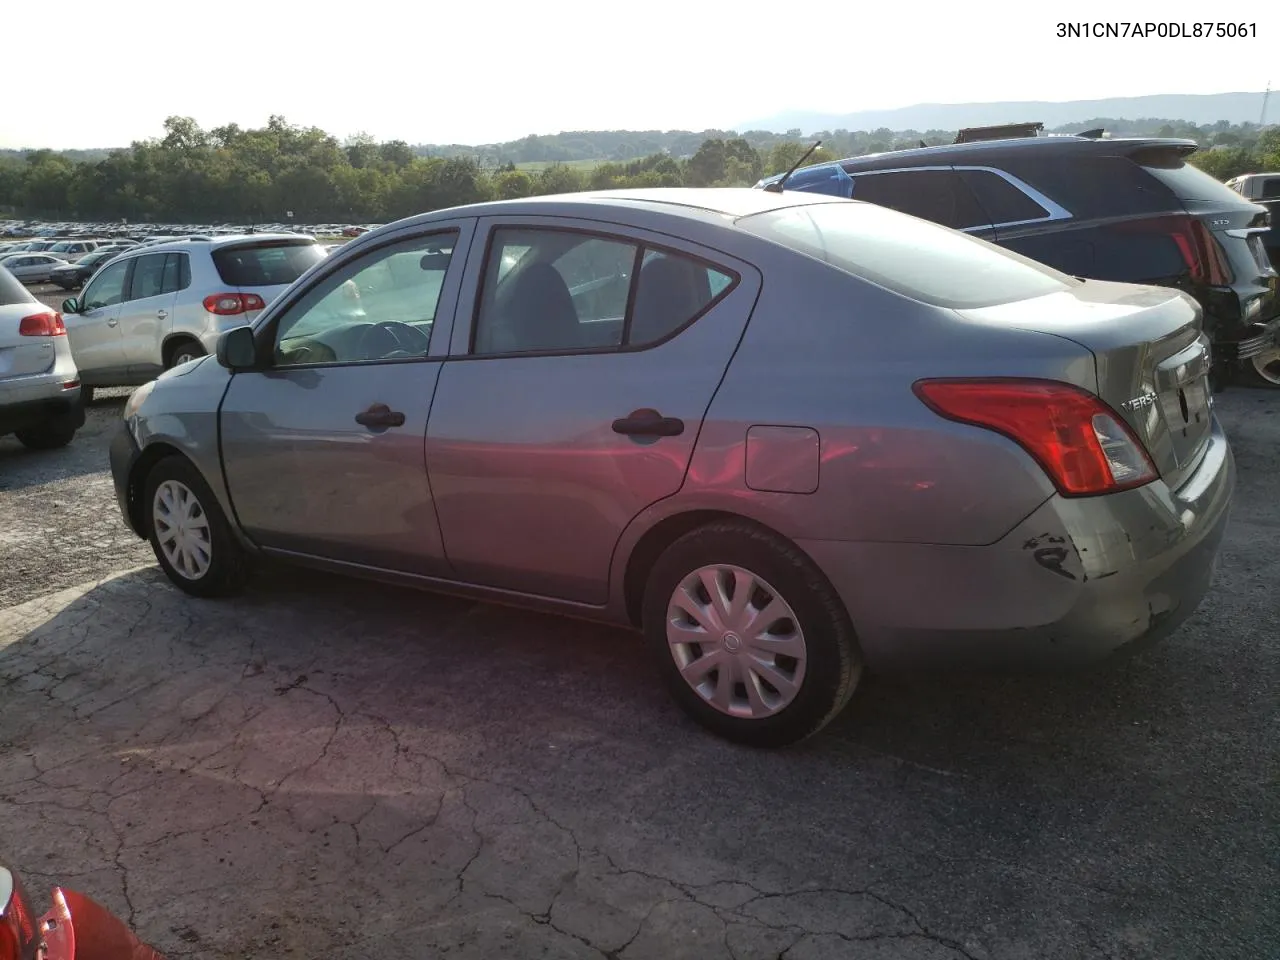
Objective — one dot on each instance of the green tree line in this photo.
(230, 173)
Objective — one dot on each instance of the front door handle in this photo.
(648, 423)
(162, 314)
(112, 322)
(380, 415)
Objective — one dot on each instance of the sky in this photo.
(496, 70)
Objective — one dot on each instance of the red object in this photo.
(231, 304)
(1054, 422)
(1200, 251)
(46, 324)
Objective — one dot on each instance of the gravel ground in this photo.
(328, 767)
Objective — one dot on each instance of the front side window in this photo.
(563, 291)
(107, 287)
(380, 307)
(148, 277)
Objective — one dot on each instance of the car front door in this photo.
(323, 449)
(144, 315)
(94, 332)
(574, 394)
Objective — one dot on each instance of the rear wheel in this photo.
(750, 638)
(182, 351)
(189, 533)
(47, 436)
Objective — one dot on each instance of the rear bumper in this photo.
(33, 413)
(1078, 581)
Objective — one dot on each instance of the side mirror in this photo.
(71, 305)
(237, 350)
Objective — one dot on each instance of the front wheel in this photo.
(750, 638)
(189, 533)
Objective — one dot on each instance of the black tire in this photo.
(182, 350)
(47, 436)
(833, 659)
(228, 566)
(1248, 375)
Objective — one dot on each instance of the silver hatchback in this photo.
(784, 435)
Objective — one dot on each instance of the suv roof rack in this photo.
(1004, 131)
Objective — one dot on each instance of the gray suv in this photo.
(39, 386)
(158, 306)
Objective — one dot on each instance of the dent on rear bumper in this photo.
(1077, 581)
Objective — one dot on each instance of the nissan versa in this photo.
(785, 435)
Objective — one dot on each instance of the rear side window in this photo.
(1093, 186)
(1186, 181)
(266, 264)
(12, 291)
(148, 277)
(1001, 200)
(937, 195)
(919, 260)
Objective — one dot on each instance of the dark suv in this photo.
(1130, 210)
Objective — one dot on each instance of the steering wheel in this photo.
(398, 340)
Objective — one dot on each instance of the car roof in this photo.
(989, 150)
(694, 203)
(211, 243)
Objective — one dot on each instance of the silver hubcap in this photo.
(183, 357)
(182, 529)
(737, 642)
(1267, 364)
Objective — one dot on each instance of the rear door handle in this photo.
(648, 423)
(112, 322)
(380, 415)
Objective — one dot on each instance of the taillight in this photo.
(1080, 442)
(231, 304)
(17, 923)
(46, 324)
(1200, 251)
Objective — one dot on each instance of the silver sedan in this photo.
(784, 435)
(32, 267)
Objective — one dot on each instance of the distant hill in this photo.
(1192, 108)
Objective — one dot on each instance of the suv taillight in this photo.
(231, 304)
(47, 324)
(1205, 261)
(1080, 442)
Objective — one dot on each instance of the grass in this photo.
(537, 166)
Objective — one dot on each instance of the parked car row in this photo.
(40, 229)
(1130, 210)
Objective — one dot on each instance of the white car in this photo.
(159, 305)
(39, 386)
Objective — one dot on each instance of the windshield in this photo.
(912, 257)
(268, 264)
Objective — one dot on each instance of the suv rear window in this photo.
(11, 290)
(267, 264)
(1187, 182)
(915, 258)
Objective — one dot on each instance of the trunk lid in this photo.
(20, 356)
(1151, 357)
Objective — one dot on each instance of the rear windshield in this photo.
(915, 258)
(11, 290)
(266, 264)
(1187, 182)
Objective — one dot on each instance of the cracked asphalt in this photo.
(332, 768)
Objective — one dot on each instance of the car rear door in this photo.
(574, 393)
(144, 315)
